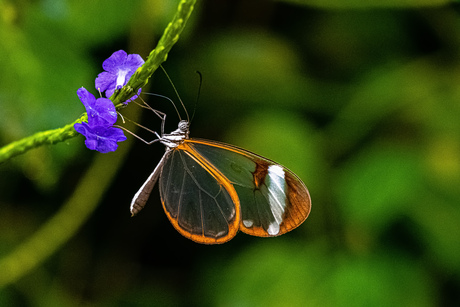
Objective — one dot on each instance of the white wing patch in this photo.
(273, 229)
(276, 197)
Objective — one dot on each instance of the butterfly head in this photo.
(178, 135)
(184, 127)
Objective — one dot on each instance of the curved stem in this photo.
(40, 138)
(158, 55)
(138, 79)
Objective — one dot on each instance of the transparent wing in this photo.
(273, 200)
(197, 200)
(141, 197)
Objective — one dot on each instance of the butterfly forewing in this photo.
(196, 200)
(273, 200)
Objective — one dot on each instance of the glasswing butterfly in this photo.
(210, 190)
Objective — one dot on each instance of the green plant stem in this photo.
(40, 138)
(158, 55)
(138, 79)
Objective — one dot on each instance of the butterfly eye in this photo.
(184, 125)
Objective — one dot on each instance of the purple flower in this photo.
(101, 111)
(100, 138)
(99, 133)
(119, 67)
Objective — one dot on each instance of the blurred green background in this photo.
(360, 98)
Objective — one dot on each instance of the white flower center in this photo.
(121, 76)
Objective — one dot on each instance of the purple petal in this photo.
(107, 138)
(119, 67)
(134, 97)
(101, 111)
(91, 144)
(109, 93)
(86, 98)
(114, 61)
(100, 138)
(104, 113)
(134, 61)
(106, 80)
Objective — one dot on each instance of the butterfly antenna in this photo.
(198, 94)
(177, 93)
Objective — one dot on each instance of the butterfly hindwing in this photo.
(273, 200)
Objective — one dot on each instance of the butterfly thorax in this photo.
(175, 138)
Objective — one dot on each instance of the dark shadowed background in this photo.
(361, 99)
